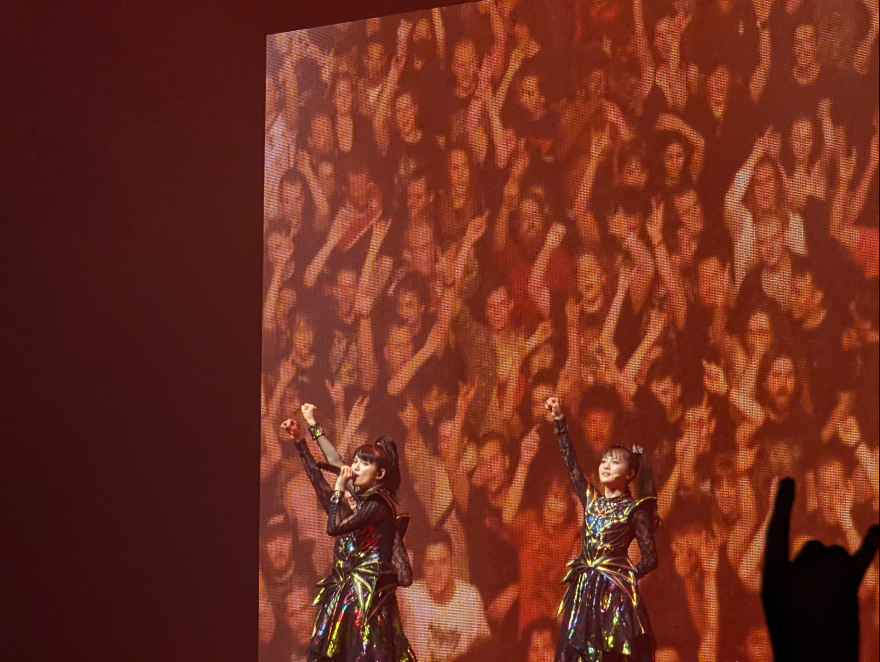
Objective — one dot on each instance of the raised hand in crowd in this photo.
(811, 602)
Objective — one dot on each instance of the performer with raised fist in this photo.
(604, 617)
(358, 618)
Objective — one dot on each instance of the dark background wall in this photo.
(131, 329)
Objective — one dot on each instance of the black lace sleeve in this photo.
(642, 519)
(400, 561)
(371, 510)
(316, 478)
(566, 448)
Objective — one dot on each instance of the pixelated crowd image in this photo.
(662, 212)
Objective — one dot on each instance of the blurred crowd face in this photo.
(499, 307)
(634, 174)
(531, 98)
(665, 38)
(689, 211)
(667, 392)
(531, 228)
(759, 333)
(299, 616)
(418, 197)
(303, 340)
(726, 495)
(806, 297)
(438, 570)
(459, 170)
(465, 64)
(410, 308)
(557, 504)
(542, 646)
(770, 240)
(718, 85)
(765, 181)
(781, 383)
(674, 158)
(279, 550)
(801, 137)
(492, 467)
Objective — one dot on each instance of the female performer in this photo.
(604, 618)
(358, 619)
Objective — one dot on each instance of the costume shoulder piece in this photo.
(379, 493)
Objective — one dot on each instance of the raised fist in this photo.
(291, 428)
(554, 406)
(308, 412)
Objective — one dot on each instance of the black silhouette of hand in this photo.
(811, 602)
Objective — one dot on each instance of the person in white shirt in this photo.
(443, 616)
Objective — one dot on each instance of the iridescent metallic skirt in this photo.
(345, 633)
(603, 613)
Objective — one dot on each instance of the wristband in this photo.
(316, 431)
(336, 497)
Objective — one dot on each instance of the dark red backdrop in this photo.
(131, 332)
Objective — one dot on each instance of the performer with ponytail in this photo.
(604, 618)
(358, 618)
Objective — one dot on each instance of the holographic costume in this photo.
(358, 618)
(603, 614)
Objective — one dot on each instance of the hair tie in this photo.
(638, 450)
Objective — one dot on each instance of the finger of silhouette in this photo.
(865, 553)
(776, 556)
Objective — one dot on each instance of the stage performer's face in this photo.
(366, 474)
(614, 471)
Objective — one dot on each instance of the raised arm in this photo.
(529, 449)
(337, 229)
(627, 381)
(566, 448)
(539, 293)
(322, 205)
(669, 122)
(761, 74)
(669, 275)
(313, 473)
(862, 57)
(327, 448)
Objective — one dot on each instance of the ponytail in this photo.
(645, 486)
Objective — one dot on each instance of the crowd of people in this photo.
(664, 212)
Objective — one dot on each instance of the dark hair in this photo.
(775, 354)
(383, 453)
(416, 284)
(438, 536)
(639, 462)
(665, 366)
